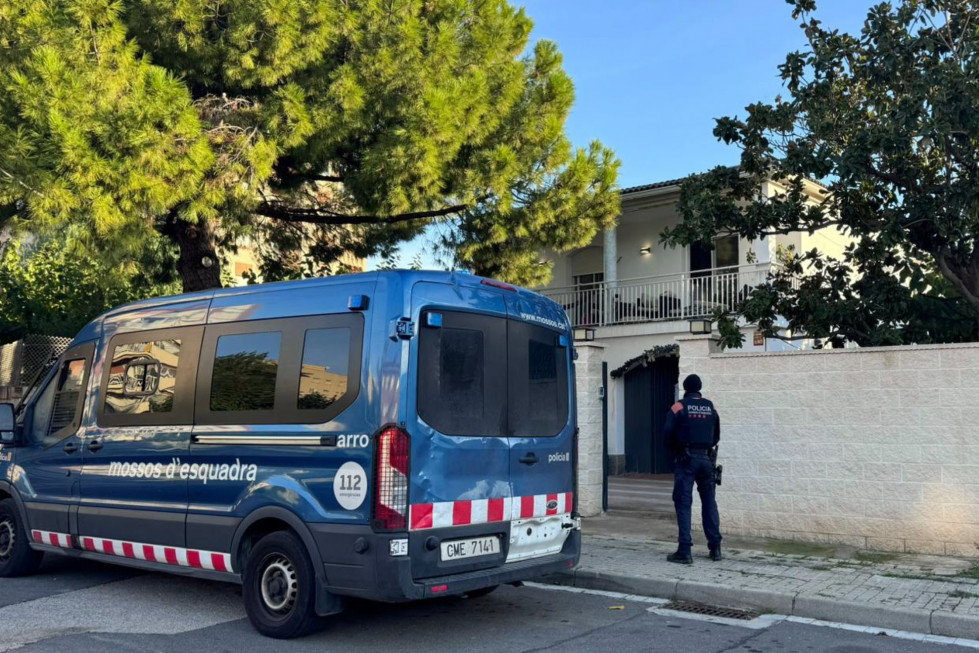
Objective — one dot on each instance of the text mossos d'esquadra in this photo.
(204, 472)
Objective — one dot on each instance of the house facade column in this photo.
(610, 257)
(591, 447)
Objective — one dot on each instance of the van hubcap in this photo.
(280, 585)
(6, 538)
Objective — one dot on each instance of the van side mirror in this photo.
(6, 423)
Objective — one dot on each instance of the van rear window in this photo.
(462, 375)
(488, 376)
(538, 381)
(461, 361)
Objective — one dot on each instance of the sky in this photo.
(651, 76)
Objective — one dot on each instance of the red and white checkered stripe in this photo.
(61, 540)
(168, 555)
(483, 511)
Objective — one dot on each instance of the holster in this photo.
(718, 469)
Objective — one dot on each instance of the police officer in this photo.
(692, 429)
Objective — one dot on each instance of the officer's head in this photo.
(692, 383)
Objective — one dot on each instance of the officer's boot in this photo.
(715, 552)
(680, 558)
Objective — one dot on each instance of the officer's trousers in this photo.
(697, 468)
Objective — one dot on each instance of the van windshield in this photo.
(489, 376)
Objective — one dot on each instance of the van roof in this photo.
(408, 277)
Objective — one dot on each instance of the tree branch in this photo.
(897, 180)
(287, 213)
(958, 280)
(794, 228)
(315, 177)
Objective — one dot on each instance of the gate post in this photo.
(695, 351)
(591, 450)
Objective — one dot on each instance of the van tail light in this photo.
(391, 476)
(498, 284)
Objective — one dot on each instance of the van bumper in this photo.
(376, 575)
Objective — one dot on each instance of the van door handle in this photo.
(95, 445)
(71, 447)
(529, 459)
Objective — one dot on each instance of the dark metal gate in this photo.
(650, 390)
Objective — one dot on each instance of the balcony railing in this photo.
(660, 298)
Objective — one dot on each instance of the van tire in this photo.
(17, 558)
(481, 592)
(279, 587)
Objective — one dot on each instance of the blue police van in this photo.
(389, 436)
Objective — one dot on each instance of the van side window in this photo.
(57, 412)
(58, 404)
(148, 377)
(66, 395)
(295, 370)
(142, 377)
(245, 370)
(323, 377)
(42, 412)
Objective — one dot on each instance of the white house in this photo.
(635, 296)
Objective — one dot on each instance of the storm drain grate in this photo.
(710, 610)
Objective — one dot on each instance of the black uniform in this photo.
(692, 428)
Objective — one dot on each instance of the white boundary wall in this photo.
(875, 447)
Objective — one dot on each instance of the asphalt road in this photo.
(87, 607)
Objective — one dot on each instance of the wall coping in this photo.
(584, 344)
(693, 337)
(843, 352)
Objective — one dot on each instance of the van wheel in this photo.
(279, 587)
(481, 592)
(17, 558)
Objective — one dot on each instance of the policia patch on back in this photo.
(700, 411)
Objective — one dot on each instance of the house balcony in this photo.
(660, 298)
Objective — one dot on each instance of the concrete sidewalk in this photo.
(935, 595)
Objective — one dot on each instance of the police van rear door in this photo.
(459, 486)
(541, 427)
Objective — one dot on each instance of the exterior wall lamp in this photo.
(586, 335)
(700, 327)
(645, 251)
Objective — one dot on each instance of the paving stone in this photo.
(908, 595)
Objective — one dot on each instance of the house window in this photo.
(725, 254)
(588, 281)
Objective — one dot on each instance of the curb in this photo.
(928, 622)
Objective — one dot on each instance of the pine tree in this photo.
(316, 127)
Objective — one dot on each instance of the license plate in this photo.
(471, 548)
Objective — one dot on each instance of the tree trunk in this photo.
(198, 264)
